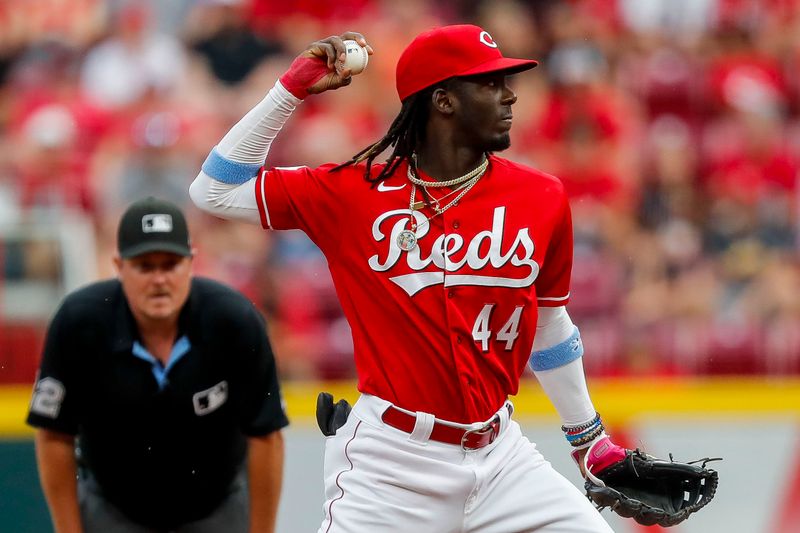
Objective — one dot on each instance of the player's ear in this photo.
(442, 101)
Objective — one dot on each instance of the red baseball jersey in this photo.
(447, 327)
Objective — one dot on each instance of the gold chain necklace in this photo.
(480, 169)
(407, 239)
(437, 201)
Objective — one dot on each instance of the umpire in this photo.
(158, 391)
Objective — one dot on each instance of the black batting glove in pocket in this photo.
(331, 416)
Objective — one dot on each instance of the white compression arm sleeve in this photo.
(225, 200)
(564, 385)
(248, 141)
(554, 327)
(225, 185)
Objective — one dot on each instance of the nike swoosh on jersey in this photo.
(382, 187)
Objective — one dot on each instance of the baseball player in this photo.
(452, 266)
(169, 384)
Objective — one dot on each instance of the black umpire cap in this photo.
(153, 225)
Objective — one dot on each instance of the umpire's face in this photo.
(156, 285)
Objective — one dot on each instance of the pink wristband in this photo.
(302, 74)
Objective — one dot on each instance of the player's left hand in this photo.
(645, 488)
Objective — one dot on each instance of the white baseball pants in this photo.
(380, 479)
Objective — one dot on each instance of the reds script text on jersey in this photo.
(446, 328)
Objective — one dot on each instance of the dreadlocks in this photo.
(405, 134)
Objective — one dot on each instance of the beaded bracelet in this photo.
(587, 429)
(587, 437)
(581, 427)
(584, 433)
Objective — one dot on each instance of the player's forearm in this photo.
(55, 456)
(557, 362)
(566, 388)
(265, 476)
(249, 140)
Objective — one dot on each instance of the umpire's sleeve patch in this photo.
(47, 397)
(210, 400)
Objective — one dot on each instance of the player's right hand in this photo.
(319, 67)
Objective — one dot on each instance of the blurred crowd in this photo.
(675, 125)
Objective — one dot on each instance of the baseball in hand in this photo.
(357, 57)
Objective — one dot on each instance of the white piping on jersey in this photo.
(262, 191)
(554, 298)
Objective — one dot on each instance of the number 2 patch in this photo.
(47, 397)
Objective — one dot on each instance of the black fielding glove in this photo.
(645, 488)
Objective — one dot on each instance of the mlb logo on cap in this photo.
(158, 223)
(153, 225)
